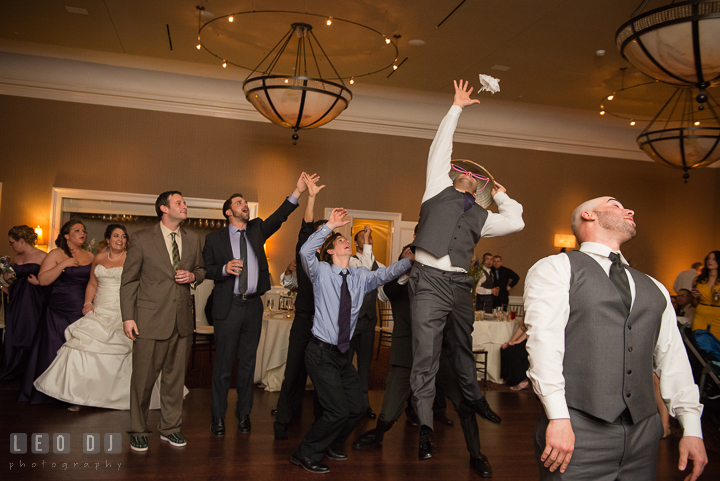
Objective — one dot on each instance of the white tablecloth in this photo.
(491, 335)
(272, 349)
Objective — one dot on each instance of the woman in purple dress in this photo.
(27, 300)
(67, 269)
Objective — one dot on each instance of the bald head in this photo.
(603, 220)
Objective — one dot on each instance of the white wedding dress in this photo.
(94, 366)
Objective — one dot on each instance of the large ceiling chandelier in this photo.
(679, 44)
(295, 84)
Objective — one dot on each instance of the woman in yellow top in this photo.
(706, 289)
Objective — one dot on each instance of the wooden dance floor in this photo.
(257, 456)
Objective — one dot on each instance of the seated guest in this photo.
(339, 291)
(67, 269)
(288, 278)
(514, 360)
(685, 306)
(27, 299)
(486, 287)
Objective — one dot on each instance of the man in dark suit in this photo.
(505, 279)
(397, 384)
(235, 259)
(156, 308)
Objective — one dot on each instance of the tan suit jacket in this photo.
(149, 294)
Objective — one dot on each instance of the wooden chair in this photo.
(481, 365)
(203, 337)
(385, 328)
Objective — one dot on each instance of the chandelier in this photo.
(296, 85)
(678, 44)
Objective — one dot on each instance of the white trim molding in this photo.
(376, 110)
(106, 202)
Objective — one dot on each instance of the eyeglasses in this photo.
(475, 176)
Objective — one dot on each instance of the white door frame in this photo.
(394, 218)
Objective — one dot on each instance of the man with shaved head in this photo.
(597, 331)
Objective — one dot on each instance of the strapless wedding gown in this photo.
(94, 366)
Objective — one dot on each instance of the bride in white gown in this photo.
(94, 366)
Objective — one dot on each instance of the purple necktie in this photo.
(344, 315)
(469, 200)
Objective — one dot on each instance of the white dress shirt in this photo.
(366, 259)
(547, 309)
(509, 219)
(481, 291)
(288, 281)
(684, 280)
(168, 239)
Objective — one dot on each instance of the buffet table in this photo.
(491, 335)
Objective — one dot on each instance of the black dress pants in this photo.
(238, 333)
(293, 386)
(338, 388)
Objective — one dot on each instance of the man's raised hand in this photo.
(311, 184)
(462, 94)
(336, 218)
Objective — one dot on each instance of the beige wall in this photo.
(49, 143)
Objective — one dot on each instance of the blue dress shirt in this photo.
(251, 263)
(326, 280)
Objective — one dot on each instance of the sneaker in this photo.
(176, 439)
(138, 443)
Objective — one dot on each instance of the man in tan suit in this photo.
(155, 301)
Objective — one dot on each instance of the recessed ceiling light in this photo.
(416, 43)
(502, 68)
(79, 11)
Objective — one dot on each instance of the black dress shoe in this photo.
(481, 466)
(442, 418)
(218, 426)
(412, 419)
(244, 424)
(335, 454)
(308, 464)
(366, 440)
(273, 412)
(280, 431)
(370, 413)
(482, 409)
(427, 447)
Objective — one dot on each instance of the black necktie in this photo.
(243, 279)
(344, 315)
(468, 200)
(620, 280)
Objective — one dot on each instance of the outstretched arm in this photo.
(438, 165)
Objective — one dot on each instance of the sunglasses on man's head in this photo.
(475, 176)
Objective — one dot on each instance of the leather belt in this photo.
(324, 345)
(245, 297)
(708, 305)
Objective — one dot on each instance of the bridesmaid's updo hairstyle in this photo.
(111, 228)
(25, 233)
(61, 241)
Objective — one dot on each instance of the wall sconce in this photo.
(563, 240)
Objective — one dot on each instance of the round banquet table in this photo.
(272, 349)
(491, 335)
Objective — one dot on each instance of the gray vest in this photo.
(368, 312)
(446, 229)
(608, 364)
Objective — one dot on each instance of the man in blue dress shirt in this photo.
(339, 291)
